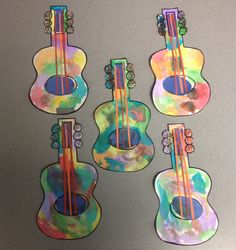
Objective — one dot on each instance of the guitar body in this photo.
(54, 223)
(197, 95)
(169, 226)
(59, 94)
(112, 158)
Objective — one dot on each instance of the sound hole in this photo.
(186, 208)
(123, 138)
(60, 85)
(78, 204)
(176, 85)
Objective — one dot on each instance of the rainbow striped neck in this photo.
(120, 88)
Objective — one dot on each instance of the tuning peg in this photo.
(47, 23)
(69, 22)
(55, 137)
(47, 30)
(181, 14)
(78, 143)
(182, 23)
(166, 133)
(69, 14)
(55, 144)
(167, 149)
(160, 18)
(108, 85)
(162, 31)
(189, 148)
(167, 141)
(70, 29)
(108, 69)
(131, 84)
(130, 76)
(55, 128)
(189, 140)
(108, 77)
(77, 127)
(188, 133)
(47, 15)
(161, 25)
(77, 135)
(183, 31)
(130, 67)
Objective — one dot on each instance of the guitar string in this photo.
(174, 66)
(176, 54)
(64, 170)
(180, 54)
(117, 110)
(72, 169)
(187, 176)
(175, 62)
(68, 172)
(177, 173)
(55, 41)
(61, 54)
(182, 169)
(122, 110)
(126, 106)
(64, 55)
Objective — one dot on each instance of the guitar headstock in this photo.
(121, 73)
(171, 22)
(177, 138)
(66, 134)
(59, 20)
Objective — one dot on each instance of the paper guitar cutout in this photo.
(185, 216)
(179, 87)
(69, 209)
(59, 87)
(122, 144)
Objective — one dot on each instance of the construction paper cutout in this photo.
(122, 144)
(59, 87)
(185, 216)
(179, 87)
(69, 209)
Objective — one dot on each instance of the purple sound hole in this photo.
(60, 85)
(177, 85)
(186, 208)
(123, 138)
(79, 204)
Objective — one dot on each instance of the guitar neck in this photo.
(173, 38)
(179, 156)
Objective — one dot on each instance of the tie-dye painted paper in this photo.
(69, 209)
(179, 87)
(185, 216)
(122, 144)
(59, 87)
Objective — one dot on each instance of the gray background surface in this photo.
(112, 29)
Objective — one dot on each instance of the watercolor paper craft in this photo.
(59, 87)
(69, 209)
(122, 144)
(179, 87)
(185, 216)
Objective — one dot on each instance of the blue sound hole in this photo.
(123, 138)
(177, 85)
(186, 208)
(80, 201)
(60, 85)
